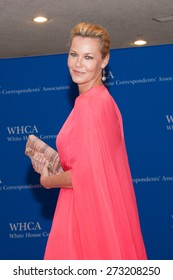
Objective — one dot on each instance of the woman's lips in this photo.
(78, 73)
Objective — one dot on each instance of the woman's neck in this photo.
(85, 87)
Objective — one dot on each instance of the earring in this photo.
(103, 75)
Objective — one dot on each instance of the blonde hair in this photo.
(90, 30)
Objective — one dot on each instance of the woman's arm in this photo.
(60, 180)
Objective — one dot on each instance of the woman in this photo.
(96, 215)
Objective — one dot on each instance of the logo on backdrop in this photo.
(152, 180)
(29, 90)
(20, 133)
(169, 122)
(136, 81)
(172, 219)
(21, 230)
(18, 187)
(109, 78)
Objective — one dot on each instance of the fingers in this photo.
(44, 175)
(38, 162)
(39, 157)
(45, 170)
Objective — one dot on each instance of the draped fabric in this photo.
(98, 218)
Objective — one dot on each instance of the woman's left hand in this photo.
(38, 162)
(45, 171)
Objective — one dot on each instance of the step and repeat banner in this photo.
(36, 96)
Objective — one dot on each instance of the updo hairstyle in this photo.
(84, 29)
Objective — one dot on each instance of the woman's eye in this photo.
(88, 57)
(73, 54)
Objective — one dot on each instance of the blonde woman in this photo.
(96, 215)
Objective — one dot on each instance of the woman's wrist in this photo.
(59, 180)
(44, 181)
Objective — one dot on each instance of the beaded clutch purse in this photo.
(36, 145)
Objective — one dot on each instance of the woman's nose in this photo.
(78, 62)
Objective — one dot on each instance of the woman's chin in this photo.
(77, 80)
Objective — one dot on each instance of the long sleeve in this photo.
(105, 203)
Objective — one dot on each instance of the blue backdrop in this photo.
(36, 96)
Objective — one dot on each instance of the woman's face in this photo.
(85, 61)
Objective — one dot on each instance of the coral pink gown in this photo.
(98, 218)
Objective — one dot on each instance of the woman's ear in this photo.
(105, 61)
